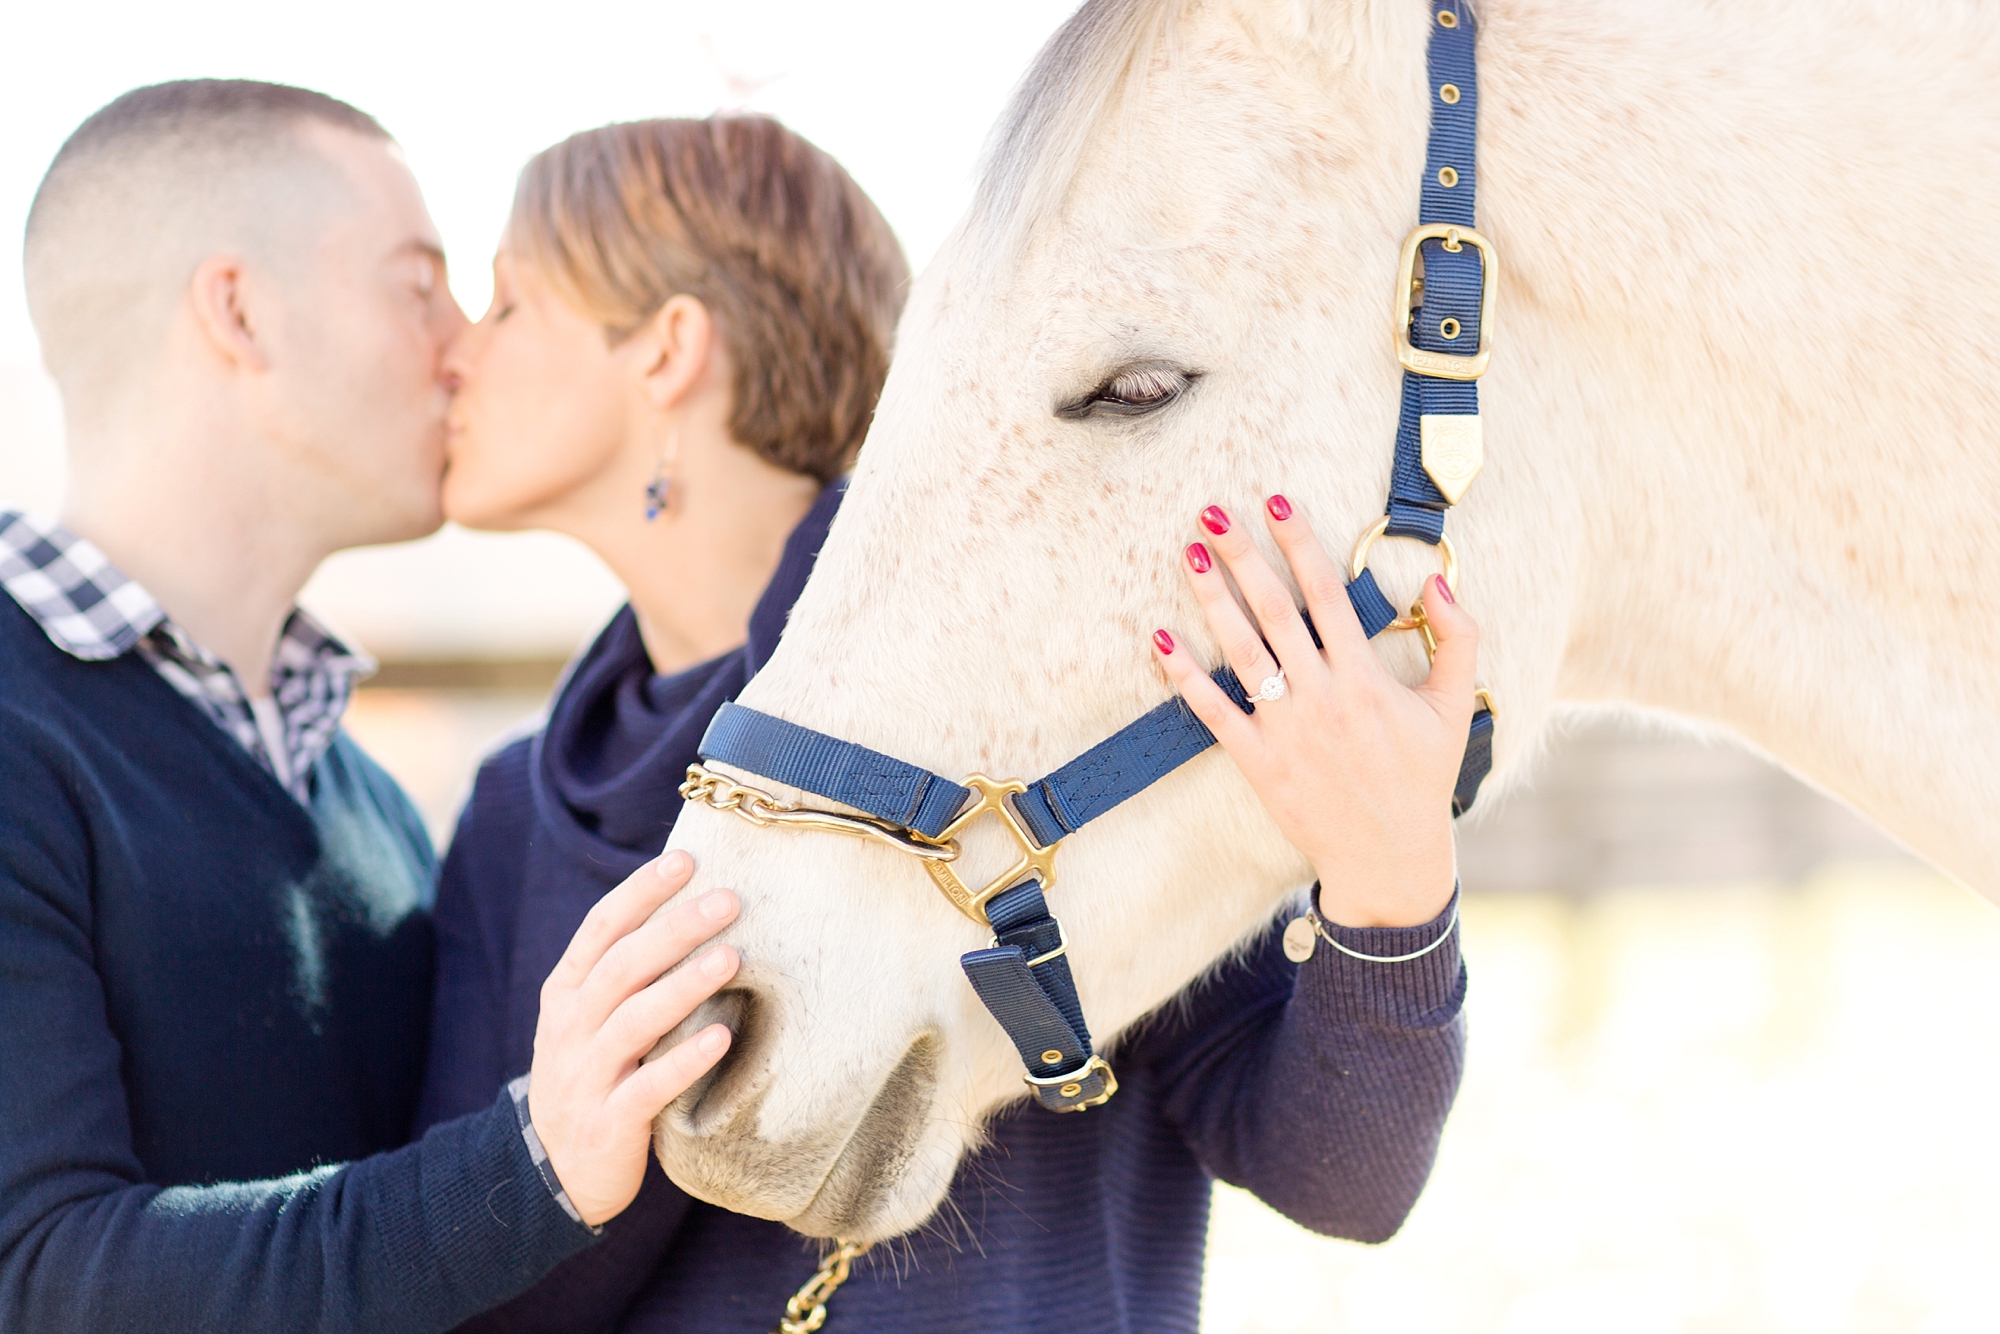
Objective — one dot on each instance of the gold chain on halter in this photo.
(806, 1311)
(762, 809)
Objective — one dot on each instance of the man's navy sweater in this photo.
(1323, 1088)
(213, 1012)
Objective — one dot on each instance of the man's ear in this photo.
(675, 348)
(220, 296)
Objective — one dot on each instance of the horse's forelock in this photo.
(1034, 150)
(1072, 86)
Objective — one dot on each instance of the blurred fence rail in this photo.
(1625, 800)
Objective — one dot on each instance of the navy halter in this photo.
(1024, 977)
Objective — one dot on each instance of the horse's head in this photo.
(1174, 290)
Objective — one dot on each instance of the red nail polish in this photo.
(1281, 509)
(1444, 589)
(1215, 520)
(1197, 557)
(1163, 641)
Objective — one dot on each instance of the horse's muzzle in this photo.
(840, 1179)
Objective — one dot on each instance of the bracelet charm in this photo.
(1299, 940)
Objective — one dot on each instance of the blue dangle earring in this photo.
(658, 491)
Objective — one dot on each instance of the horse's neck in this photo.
(1732, 309)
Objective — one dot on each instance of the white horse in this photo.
(1744, 458)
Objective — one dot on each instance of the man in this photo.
(214, 942)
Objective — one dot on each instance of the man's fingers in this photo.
(645, 1093)
(1232, 727)
(1320, 578)
(1456, 667)
(614, 916)
(634, 961)
(1270, 601)
(638, 1024)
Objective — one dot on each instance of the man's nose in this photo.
(449, 326)
(452, 351)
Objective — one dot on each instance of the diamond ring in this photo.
(1272, 689)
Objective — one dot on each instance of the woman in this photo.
(689, 327)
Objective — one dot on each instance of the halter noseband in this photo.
(1023, 976)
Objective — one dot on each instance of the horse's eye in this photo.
(1135, 390)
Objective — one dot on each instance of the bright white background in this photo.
(901, 91)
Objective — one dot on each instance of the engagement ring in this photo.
(1272, 689)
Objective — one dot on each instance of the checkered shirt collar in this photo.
(83, 604)
(91, 611)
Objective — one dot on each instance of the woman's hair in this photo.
(801, 273)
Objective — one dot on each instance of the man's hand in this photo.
(604, 1007)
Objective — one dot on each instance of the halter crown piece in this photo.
(1023, 976)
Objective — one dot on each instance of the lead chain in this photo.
(806, 1311)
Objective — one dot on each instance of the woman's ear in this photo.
(677, 345)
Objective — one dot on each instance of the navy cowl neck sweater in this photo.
(1321, 1088)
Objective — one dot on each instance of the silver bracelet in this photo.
(1319, 929)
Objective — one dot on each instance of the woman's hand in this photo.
(1356, 768)
(604, 1007)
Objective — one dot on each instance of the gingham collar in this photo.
(83, 604)
(92, 611)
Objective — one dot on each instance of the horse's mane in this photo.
(1033, 154)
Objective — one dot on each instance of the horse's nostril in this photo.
(710, 1102)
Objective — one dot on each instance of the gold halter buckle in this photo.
(1445, 365)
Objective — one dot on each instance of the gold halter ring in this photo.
(1360, 564)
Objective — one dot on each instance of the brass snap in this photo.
(1449, 329)
(1449, 93)
(1447, 19)
(1051, 1056)
(1447, 177)
(1070, 1090)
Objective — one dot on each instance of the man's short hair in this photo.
(149, 187)
(802, 273)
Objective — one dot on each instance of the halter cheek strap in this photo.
(1023, 977)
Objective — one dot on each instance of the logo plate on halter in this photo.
(1454, 450)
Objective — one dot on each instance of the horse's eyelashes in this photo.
(1132, 391)
(1146, 387)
